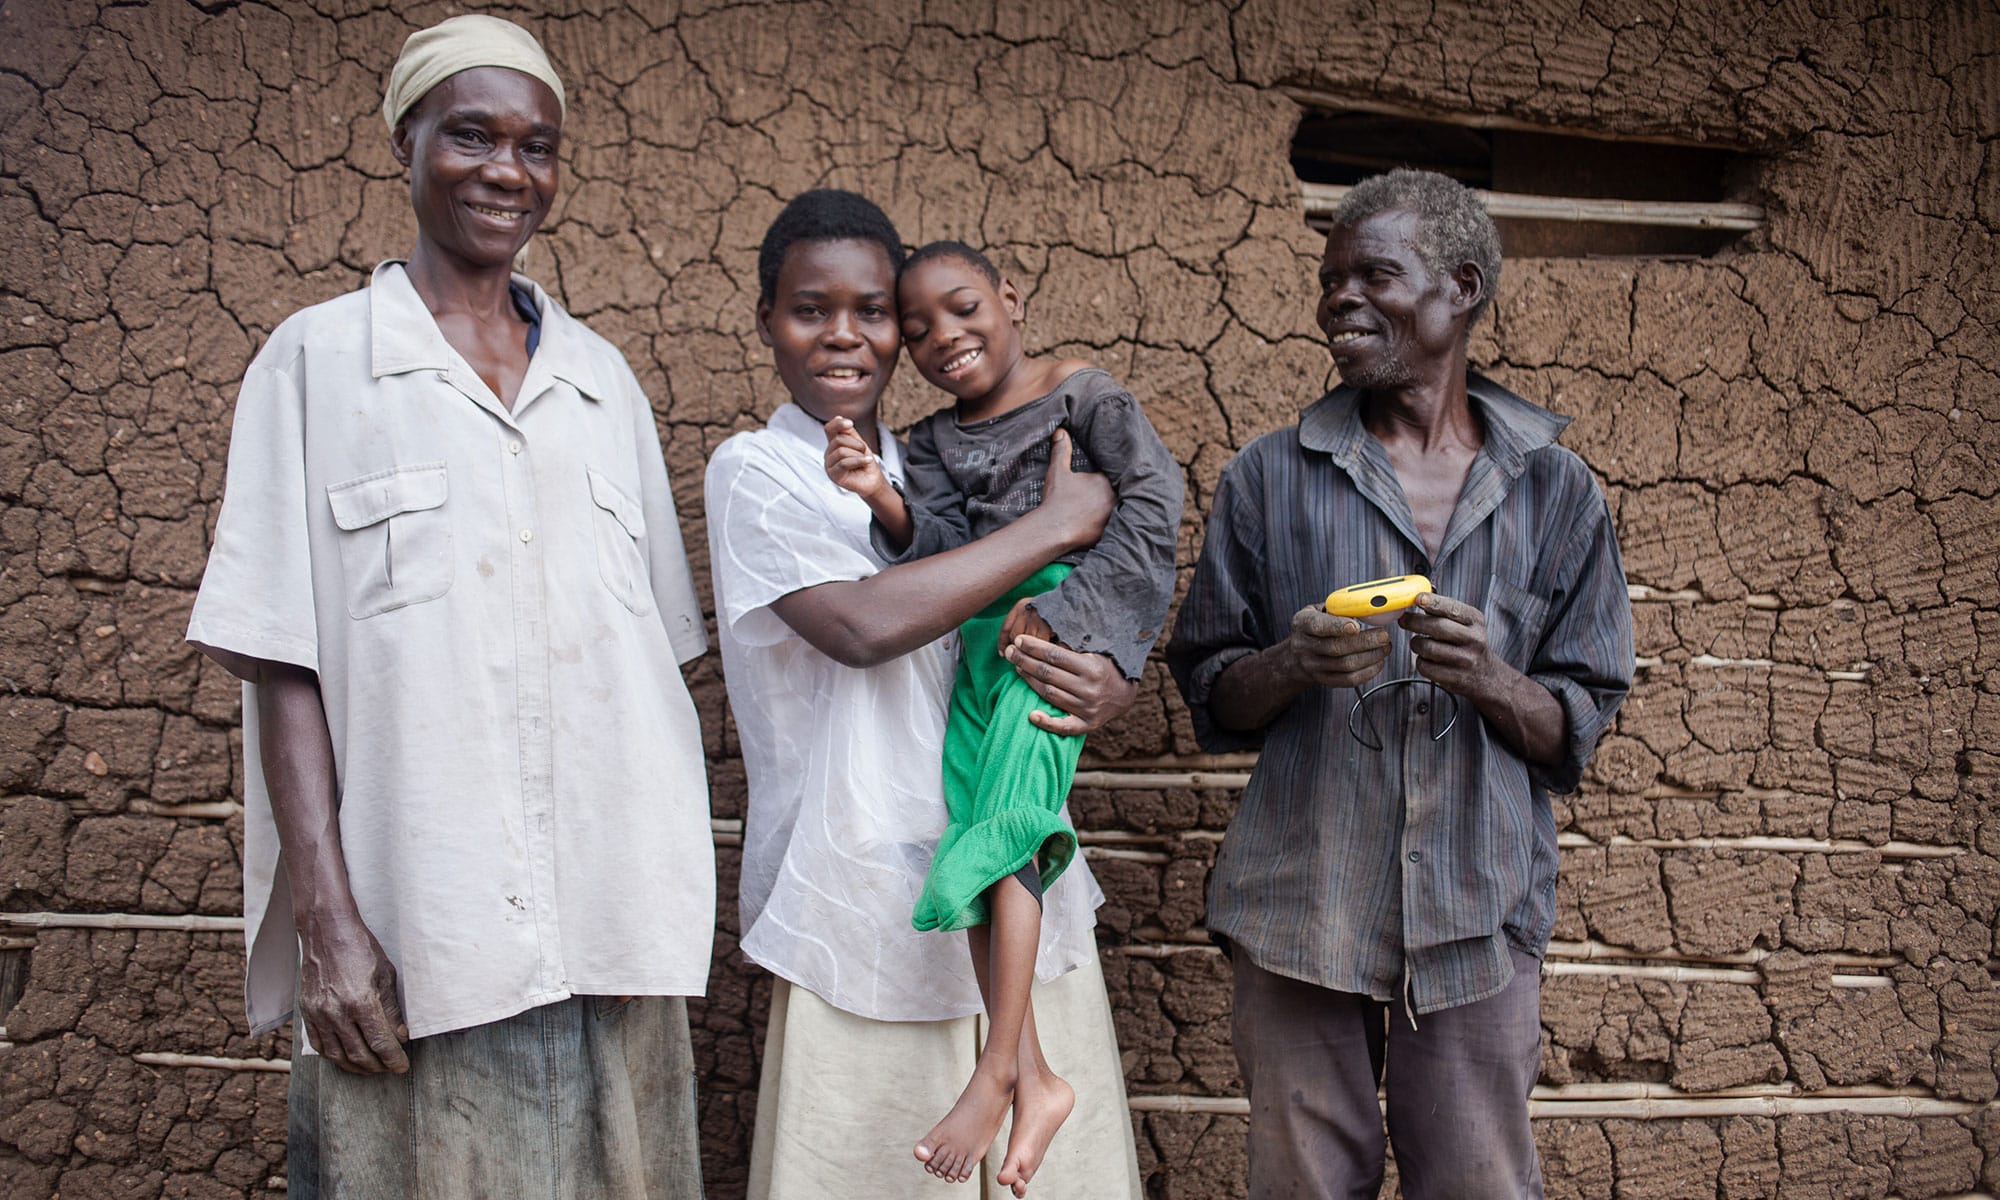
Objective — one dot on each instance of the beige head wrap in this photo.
(430, 56)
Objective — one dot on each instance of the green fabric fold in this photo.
(1005, 780)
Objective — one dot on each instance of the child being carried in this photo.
(971, 469)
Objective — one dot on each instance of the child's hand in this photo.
(850, 463)
(1023, 621)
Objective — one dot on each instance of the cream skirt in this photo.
(844, 1099)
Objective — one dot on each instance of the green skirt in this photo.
(1005, 780)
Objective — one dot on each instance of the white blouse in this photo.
(844, 763)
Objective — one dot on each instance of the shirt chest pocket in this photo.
(1514, 618)
(395, 538)
(620, 526)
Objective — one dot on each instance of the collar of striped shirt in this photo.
(1515, 427)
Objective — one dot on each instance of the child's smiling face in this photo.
(831, 327)
(962, 330)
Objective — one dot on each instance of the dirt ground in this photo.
(1780, 880)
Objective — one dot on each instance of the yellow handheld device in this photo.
(1379, 601)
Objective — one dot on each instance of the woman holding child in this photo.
(840, 669)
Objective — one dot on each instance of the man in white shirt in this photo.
(838, 672)
(448, 568)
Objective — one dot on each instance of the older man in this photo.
(1387, 887)
(449, 571)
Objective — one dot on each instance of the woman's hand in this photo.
(1089, 687)
(1078, 503)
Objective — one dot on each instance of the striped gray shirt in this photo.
(1353, 868)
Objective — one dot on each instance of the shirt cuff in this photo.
(1211, 737)
(1076, 631)
(243, 651)
(1583, 722)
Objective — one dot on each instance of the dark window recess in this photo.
(1552, 195)
(13, 976)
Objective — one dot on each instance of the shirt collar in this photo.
(405, 337)
(1515, 428)
(796, 422)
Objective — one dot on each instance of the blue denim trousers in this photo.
(1455, 1090)
(584, 1099)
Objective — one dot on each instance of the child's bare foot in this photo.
(952, 1150)
(1042, 1102)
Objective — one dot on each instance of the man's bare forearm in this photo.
(1322, 651)
(297, 754)
(1255, 689)
(1526, 715)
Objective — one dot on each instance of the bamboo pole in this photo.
(1322, 198)
(1649, 1108)
(1162, 949)
(1591, 951)
(1236, 1106)
(1778, 845)
(1639, 593)
(165, 1059)
(1695, 974)
(1643, 1090)
(1752, 1106)
(1671, 974)
(213, 809)
(1111, 852)
(1157, 780)
(1172, 762)
(184, 924)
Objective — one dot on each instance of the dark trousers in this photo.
(1457, 1090)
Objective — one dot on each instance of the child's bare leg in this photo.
(1042, 1102)
(1006, 970)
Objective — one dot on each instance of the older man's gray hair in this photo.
(1453, 227)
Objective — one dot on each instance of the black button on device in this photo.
(1378, 601)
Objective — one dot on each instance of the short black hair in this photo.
(951, 249)
(824, 215)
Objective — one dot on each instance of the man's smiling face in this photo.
(831, 327)
(1388, 318)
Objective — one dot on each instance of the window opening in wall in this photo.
(13, 976)
(1552, 195)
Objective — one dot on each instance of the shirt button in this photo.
(1416, 855)
(527, 535)
(1422, 709)
(513, 447)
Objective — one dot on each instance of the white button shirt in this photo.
(497, 605)
(844, 763)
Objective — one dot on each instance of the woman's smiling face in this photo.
(831, 327)
(481, 150)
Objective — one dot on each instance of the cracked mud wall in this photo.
(1782, 874)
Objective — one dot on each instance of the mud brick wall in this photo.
(1772, 976)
